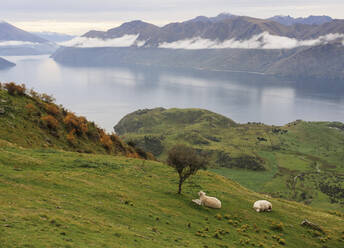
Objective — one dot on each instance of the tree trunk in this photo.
(180, 186)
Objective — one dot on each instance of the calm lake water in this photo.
(105, 95)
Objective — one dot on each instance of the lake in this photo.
(106, 94)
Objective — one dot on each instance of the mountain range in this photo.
(281, 45)
(54, 37)
(15, 41)
(238, 28)
(225, 42)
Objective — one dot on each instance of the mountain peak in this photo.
(220, 17)
(136, 23)
(8, 32)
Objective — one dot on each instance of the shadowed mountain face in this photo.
(5, 63)
(318, 62)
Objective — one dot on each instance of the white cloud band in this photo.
(85, 42)
(17, 43)
(260, 41)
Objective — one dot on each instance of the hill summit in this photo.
(300, 161)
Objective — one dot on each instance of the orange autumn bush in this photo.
(77, 123)
(50, 122)
(70, 137)
(31, 109)
(106, 141)
(15, 89)
(52, 109)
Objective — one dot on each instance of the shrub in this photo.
(77, 123)
(118, 143)
(51, 109)
(131, 153)
(70, 137)
(50, 122)
(14, 89)
(47, 98)
(150, 156)
(106, 141)
(33, 94)
(141, 153)
(31, 109)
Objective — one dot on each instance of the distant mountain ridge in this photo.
(221, 28)
(310, 20)
(54, 37)
(225, 42)
(9, 32)
(15, 41)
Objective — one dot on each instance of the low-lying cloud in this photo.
(17, 43)
(260, 41)
(85, 42)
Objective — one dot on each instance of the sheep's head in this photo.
(201, 193)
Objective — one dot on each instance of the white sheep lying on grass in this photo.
(262, 205)
(210, 202)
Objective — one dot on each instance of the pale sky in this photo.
(79, 16)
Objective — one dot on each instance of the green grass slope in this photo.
(302, 161)
(54, 198)
(30, 119)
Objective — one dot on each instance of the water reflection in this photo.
(106, 94)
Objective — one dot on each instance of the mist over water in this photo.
(106, 94)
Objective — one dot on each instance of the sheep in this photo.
(262, 205)
(207, 201)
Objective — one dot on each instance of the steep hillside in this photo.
(306, 62)
(302, 161)
(325, 61)
(53, 198)
(249, 60)
(33, 120)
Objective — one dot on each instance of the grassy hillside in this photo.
(302, 161)
(54, 198)
(30, 119)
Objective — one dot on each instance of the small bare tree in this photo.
(186, 162)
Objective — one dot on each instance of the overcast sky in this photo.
(79, 16)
